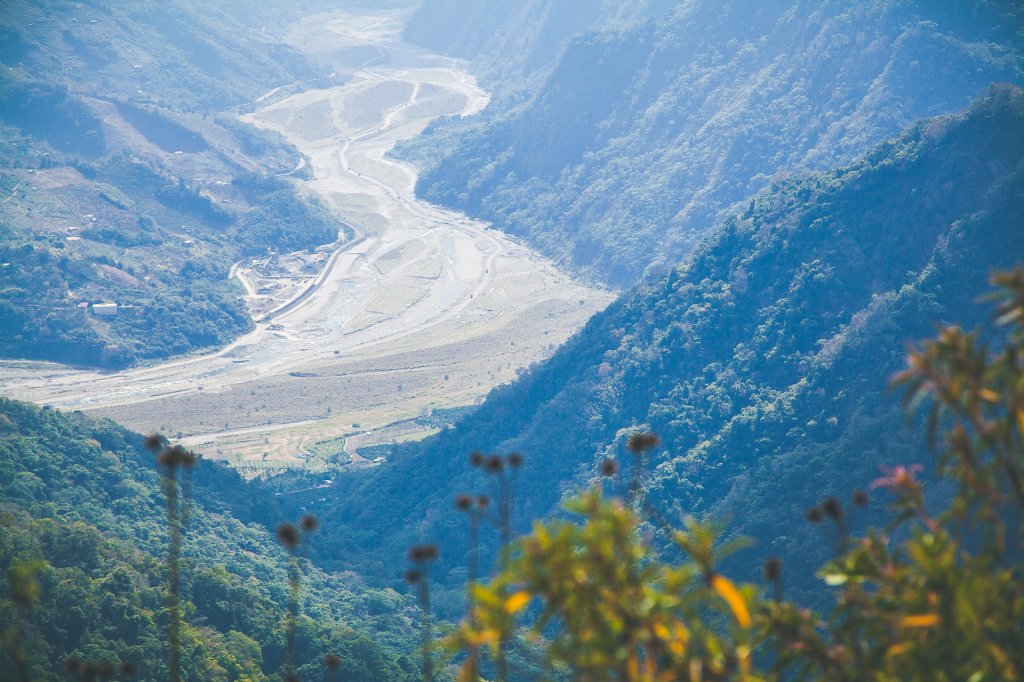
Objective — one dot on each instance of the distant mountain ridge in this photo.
(638, 133)
(762, 361)
(122, 178)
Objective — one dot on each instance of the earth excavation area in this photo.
(356, 345)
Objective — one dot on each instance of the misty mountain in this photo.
(513, 46)
(179, 55)
(125, 178)
(630, 138)
(762, 361)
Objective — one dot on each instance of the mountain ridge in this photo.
(701, 108)
(126, 179)
(781, 328)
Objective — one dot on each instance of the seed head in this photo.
(772, 568)
(332, 661)
(168, 457)
(483, 501)
(463, 503)
(493, 464)
(832, 508)
(423, 553)
(127, 669)
(814, 515)
(413, 576)
(176, 456)
(861, 498)
(515, 460)
(308, 523)
(288, 535)
(609, 467)
(642, 442)
(73, 666)
(476, 458)
(153, 442)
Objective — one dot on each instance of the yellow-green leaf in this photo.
(727, 591)
(517, 601)
(924, 620)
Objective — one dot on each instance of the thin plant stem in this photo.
(174, 525)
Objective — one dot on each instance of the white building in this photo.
(104, 309)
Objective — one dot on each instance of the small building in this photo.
(104, 309)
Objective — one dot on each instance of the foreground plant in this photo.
(293, 538)
(23, 586)
(177, 464)
(421, 556)
(943, 602)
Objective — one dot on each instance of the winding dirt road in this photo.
(425, 308)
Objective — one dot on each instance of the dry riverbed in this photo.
(424, 309)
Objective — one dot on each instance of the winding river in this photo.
(424, 309)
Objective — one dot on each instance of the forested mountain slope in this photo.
(637, 136)
(122, 178)
(180, 55)
(762, 361)
(513, 45)
(84, 498)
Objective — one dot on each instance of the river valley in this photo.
(424, 309)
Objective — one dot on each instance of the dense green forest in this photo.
(81, 502)
(124, 178)
(762, 360)
(620, 135)
(933, 595)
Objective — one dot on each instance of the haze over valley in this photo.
(562, 340)
(418, 309)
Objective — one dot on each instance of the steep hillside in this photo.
(762, 361)
(638, 136)
(123, 180)
(83, 498)
(514, 45)
(180, 55)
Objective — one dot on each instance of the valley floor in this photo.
(423, 309)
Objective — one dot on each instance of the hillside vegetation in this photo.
(81, 503)
(762, 361)
(124, 179)
(628, 139)
(935, 594)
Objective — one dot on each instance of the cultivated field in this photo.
(424, 309)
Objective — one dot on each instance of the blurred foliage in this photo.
(930, 597)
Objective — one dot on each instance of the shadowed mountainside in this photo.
(762, 361)
(634, 137)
